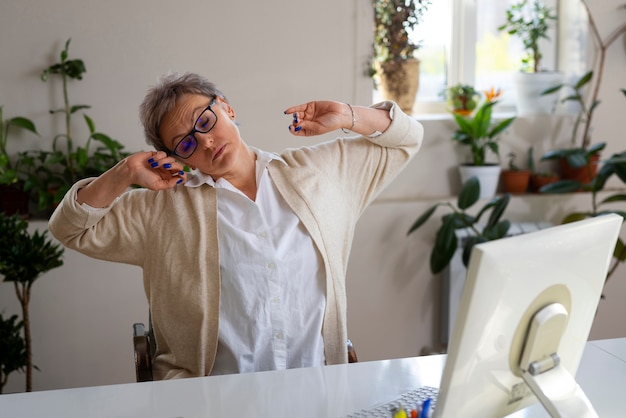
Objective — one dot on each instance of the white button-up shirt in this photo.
(272, 297)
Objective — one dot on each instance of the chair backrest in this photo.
(143, 342)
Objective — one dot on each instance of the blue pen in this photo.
(425, 408)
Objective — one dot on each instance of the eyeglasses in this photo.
(205, 122)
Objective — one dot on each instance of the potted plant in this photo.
(538, 178)
(481, 134)
(530, 21)
(462, 99)
(447, 241)
(24, 257)
(615, 165)
(395, 66)
(515, 180)
(12, 348)
(51, 173)
(579, 161)
(12, 197)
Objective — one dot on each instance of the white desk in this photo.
(331, 391)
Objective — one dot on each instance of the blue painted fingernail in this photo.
(181, 173)
(298, 128)
(154, 164)
(167, 165)
(295, 117)
(179, 181)
(151, 160)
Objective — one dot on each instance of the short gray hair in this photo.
(162, 98)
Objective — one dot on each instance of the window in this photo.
(461, 44)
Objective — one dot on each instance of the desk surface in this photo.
(330, 391)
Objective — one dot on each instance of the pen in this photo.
(425, 408)
(400, 413)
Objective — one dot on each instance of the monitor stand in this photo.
(553, 385)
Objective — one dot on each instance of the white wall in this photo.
(265, 57)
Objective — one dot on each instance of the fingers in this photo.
(297, 108)
(170, 170)
(296, 125)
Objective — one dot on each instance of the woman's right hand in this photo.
(155, 170)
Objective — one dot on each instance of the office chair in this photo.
(145, 348)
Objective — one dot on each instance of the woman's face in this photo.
(219, 152)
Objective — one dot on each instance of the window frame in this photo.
(461, 57)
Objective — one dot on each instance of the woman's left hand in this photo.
(320, 117)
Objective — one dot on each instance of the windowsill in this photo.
(502, 114)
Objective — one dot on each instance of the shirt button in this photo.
(263, 234)
(271, 266)
(280, 336)
(275, 299)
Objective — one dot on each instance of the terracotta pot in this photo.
(537, 181)
(399, 81)
(13, 200)
(582, 174)
(515, 181)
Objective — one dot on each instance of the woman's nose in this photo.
(205, 140)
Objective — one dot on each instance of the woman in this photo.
(244, 260)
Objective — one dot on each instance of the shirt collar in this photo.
(263, 158)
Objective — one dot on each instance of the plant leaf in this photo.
(90, 124)
(615, 198)
(24, 123)
(551, 90)
(498, 210)
(575, 217)
(444, 247)
(423, 218)
(469, 194)
(469, 245)
(501, 126)
(583, 80)
(561, 186)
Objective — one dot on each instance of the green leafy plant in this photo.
(12, 348)
(577, 156)
(613, 167)
(24, 257)
(512, 164)
(530, 21)
(462, 98)
(581, 152)
(51, 173)
(538, 178)
(9, 170)
(458, 217)
(394, 20)
(479, 132)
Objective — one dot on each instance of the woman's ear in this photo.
(229, 109)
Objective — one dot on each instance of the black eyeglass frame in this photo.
(195, 129)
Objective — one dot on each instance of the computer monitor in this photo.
(525, 314)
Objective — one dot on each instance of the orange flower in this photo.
(492, 94)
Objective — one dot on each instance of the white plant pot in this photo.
(528, 92)
(488, 177)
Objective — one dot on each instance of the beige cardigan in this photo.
(172, 236)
